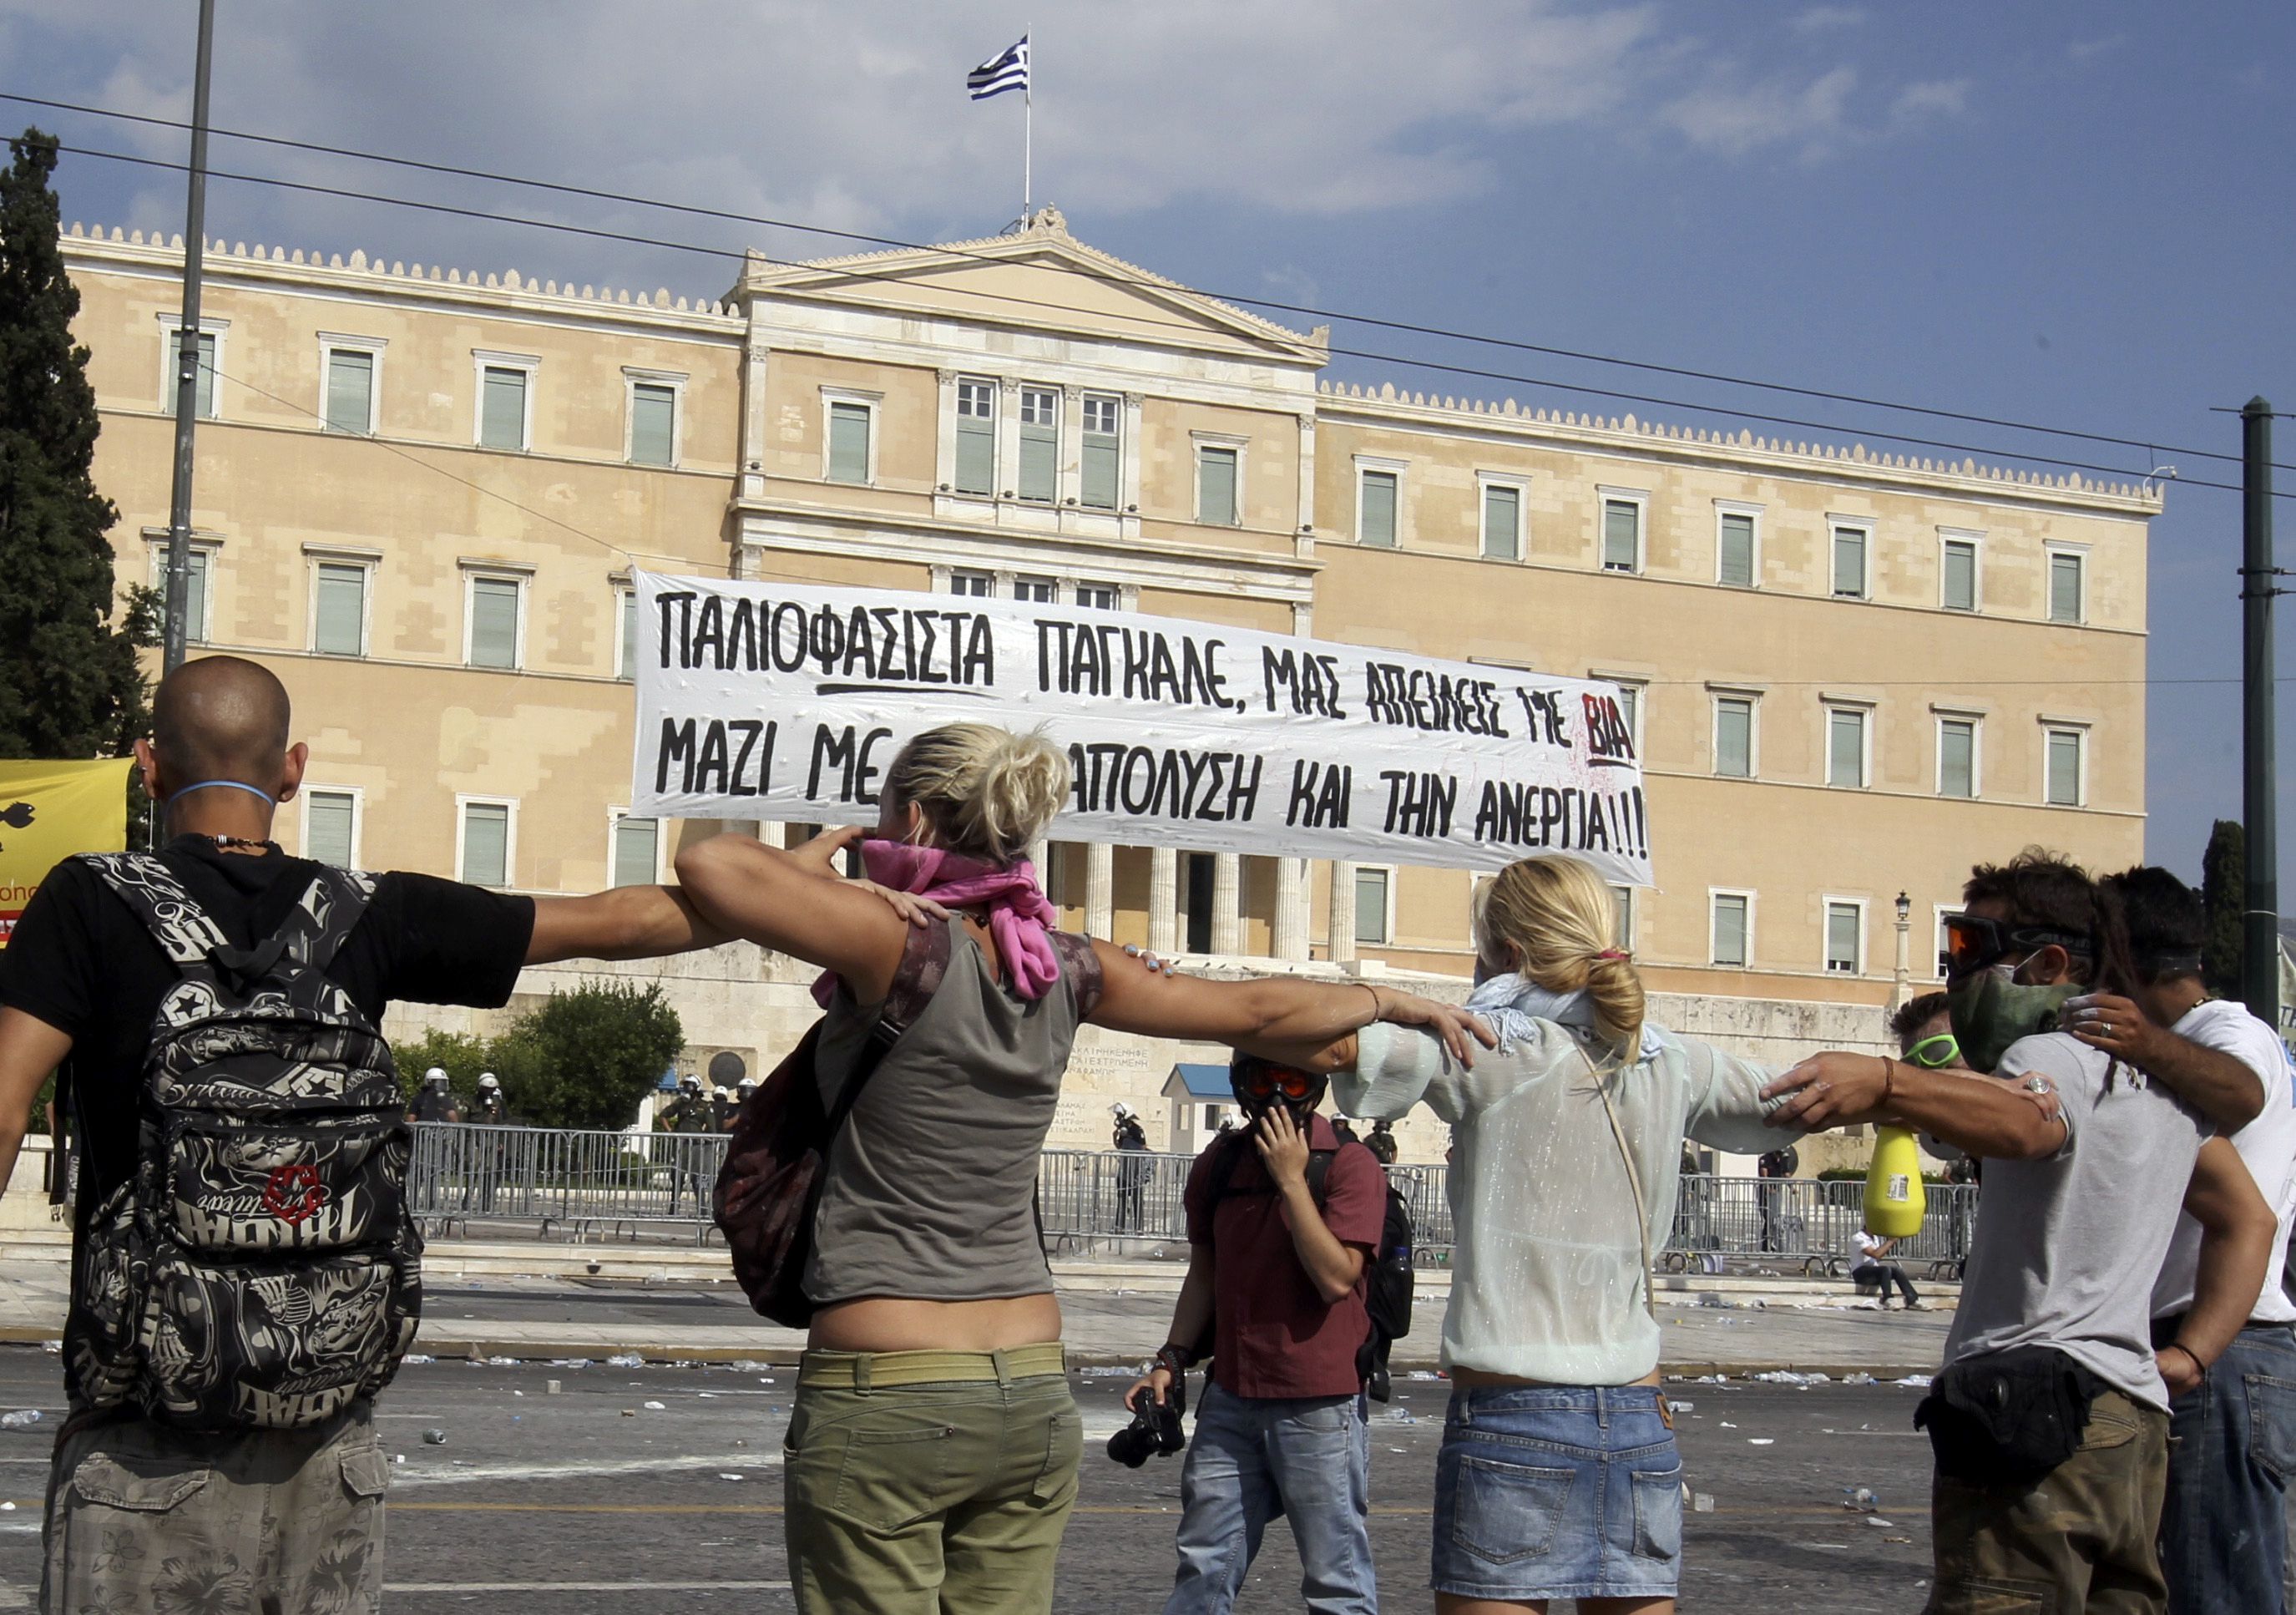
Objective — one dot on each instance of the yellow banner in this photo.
(49, 811)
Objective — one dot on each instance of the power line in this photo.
(1410, 327)
(665, 243)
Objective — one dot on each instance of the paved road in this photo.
(561, 1503)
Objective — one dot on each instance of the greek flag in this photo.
(1007, 70)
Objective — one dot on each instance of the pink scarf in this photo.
(1020, 919)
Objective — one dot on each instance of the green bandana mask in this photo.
(1990, 1011)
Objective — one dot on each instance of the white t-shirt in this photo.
(1869, 1246)
(2267, 1145)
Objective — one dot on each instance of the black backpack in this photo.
(259, 1269)
(1387, 1293)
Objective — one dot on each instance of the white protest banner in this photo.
(788, 701)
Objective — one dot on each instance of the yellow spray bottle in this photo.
(1895, 1200)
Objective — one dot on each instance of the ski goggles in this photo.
(1265, 1079)
(1974, 941)
(1933, 1052)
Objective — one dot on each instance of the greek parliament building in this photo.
(421, 492)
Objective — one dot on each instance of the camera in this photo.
(1155, 1428)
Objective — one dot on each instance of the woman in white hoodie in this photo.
(1558, 1476)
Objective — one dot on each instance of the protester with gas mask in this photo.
(1558, 1476)
(2231, 1438)
(2049, 1419)
(935, 1317)
(1284, 1219)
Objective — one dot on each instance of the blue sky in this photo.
(2075, 214)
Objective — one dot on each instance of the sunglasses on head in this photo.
(1941, 1049)
(1974, 941)
(1270, 1080)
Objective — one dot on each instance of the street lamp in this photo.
(1905, 922)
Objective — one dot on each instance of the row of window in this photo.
(1850, 749)
(1730, 932)
(350, 396)
(485, 838)
(1737, 546)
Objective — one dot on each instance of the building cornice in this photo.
(1627, 437)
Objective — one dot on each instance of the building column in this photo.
(1098, 890)
(1163, 901)
(1291, 940)
(773, 832)
(1339, 946)
(1227, 883)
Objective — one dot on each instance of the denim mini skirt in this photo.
(1564, 1492)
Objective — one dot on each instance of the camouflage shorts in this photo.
(143, 1518)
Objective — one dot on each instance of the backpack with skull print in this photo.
(261, 1269)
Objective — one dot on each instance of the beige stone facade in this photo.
(1852, 673)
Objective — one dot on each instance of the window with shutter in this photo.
(501, 424)
(1622, 533)
(1842, 940)
(329, 818)
(1623, 919)
(1371, 906)
(1850, 563)
(653, 421)
(203, 388)
(339, 618)
(849, 442)
(628, 667)
(1040, 443)
(494, 622)
(1737, 559)
(976, 436)
(350, 389)
(486, 843)
(1103, 450)
(2064, 780)
(1730, 930)
(1376, 495)
(637, 851)
(1097, 597)
(1845, 754)
(1960, 576)
(1733, 737)
(1956, 757)
(2064, 587)
(195, 593)
(980, 586)
(1041, 591)
(1503, 523)
(1216, 485)
(1631, 708)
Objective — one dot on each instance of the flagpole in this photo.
(1028, 129)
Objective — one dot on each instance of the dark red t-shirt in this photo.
(1274, 1334)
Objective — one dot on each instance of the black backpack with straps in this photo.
(261, 1269)
(1387, 1289)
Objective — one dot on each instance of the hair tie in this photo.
(1612, 953)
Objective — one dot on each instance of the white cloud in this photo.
(1819, 18)
(856, 116)
(1935, 98)
(1735, 116)
(2083, 50)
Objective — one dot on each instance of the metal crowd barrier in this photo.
(1806, 1223)
(595, 1185)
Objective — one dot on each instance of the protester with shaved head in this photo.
(244, 1268)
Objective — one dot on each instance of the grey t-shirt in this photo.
(2066, 1247)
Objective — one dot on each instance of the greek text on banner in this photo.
(787, 702)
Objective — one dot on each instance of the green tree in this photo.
(587, 1057)
(69, 686)
(2224, 889)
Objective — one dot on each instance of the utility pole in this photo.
(187, 359)
(2259, 965)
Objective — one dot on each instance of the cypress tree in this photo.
(69, 686)
(2224, 890)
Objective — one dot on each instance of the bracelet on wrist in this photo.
(1173, 1357)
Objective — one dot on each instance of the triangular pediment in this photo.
(1040, 278)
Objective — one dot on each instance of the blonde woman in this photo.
(1558, 1476)
(932, 1451)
